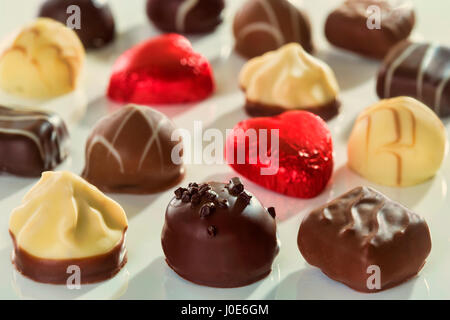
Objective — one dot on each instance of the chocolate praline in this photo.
(31, 141)
(362, 231)
(265, 25)
(353, 26)
(185, 16)
(97, 27)
(130, 151)
(219, 235)
(418, 70)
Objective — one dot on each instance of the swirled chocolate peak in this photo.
(289, 79)
(64, 221)
(219, 235)
(363, 232)
(397, 142)
(130, 151)
(31, 141)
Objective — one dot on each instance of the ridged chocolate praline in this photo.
(219, 235)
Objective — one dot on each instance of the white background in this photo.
(146, 275)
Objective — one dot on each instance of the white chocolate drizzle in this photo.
(49, 161)
(182, 12)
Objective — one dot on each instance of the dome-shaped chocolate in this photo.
(97, 27)
(265, 25)
(185, 16)
(130, 151)
(219, 235)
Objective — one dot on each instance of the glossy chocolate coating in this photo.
(185, 16)
(326, 111)
(347, 26)
(129, 151)
(219, 235)
(97, 21)
(418, 70)
(363, 228)
(31, 142)
(265, 25)
(92, 269)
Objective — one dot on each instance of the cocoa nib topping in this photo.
(244, 198)
(235, 186)
(207, 209)
(196, 193)
(271, 211)
(179, 192)
(212, 231)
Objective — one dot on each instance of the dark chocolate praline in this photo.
(219, 235)
(31, 141)
(352, 26)
(326, 111)
(97, 26)
(185, 16)
(418, 70)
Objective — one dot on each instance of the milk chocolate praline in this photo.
(97, 27)
(262, 26)
(353, 26)
(130, 151)
(31, 141)
(289, 79)
(185, 16)
(363, 235)
(219, 235)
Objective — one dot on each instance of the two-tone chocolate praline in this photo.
(130, 151)
(64, 222)
(289, 79)
(219, 235)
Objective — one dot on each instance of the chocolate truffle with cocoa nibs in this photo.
(204, 240)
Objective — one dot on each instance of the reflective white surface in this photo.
(146, 275)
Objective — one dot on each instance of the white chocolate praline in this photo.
(64, 217)
(289, 77)
(44, 61)
(397, 142)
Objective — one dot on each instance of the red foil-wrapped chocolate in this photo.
(296, 160)
(163, 70)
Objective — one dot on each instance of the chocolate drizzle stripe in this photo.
(98, 139)
(426, 60)
(272, 27)
(394, 65)
(295, 22)
(53, 120)
(439, 91)
(153, 138)
(399, 135)
(182, 12)
(111, 145)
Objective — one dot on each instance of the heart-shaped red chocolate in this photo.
(162, 70)
(304, 153)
